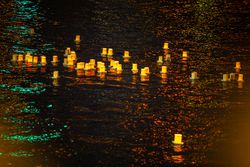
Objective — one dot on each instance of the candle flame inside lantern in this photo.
(240, 78)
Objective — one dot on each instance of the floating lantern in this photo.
(232, 76)
(165, 46)
(35, 59)
(55, 75)
(126, 54)
(110, 52)
(160, 60)
(115, 64)
(92, 61)
(30, 59)
(119, 69)
(80, 66)
(87, 66)
(147, 70)
(177, 139)
(78, 39)
(194, 76)
(225, 78)
(43, 60)
(167, 57)
(70, 63)
(240, 78)
(134, 68)
(184, 55)
(73, 55)
(20, 57)
(14, 57)
(102, 69)
(80, 73)
(237, 65)
(67, 51)
(104, 52)
(143, 72)
(65, 62)
(55, 59)
(163, 69)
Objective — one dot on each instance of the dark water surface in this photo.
(120, 120)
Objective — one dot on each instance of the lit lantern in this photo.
(73, 55)
(112, 62)
(168, 57)
(80, 73)
(240, 78)
(27, 57)
(126, 54)
(193, 76)
(110, 52)
(65, 61)
(43, 60)
(225, 78)
(55, 75)
(78, 39)
(165, 46)
(14, 57)
(115, 64)
(30, 59)
(119, 69)
(80, 66)
(99, 64)
(67, 51)
(178, 139)
(104, 51)
(55, 59)
(143, 72)
(20, 57)
(35, 59)
(237, 65)
(163, 69)
(184, 54)
(232, 76)
(92, 61)
(160, 60)
(102, 69)
(147, 70)
(87, 66)
(70, 62)
(134, 69)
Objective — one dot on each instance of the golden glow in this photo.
(177, 139)
(163, 69)
(240, 78)
(165, 46)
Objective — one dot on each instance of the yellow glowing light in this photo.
(20, 57)
(147, 70)
(165, 46)
(110, 52)
(80, 65)
(104, 51)
(55, 75)
(43, 60)
(240, 78)
(237, 65)
(163, 69)
(225, 77)
(126, 54)
(134, 68)
(143, 72)
(184, 54)
(194, 75)
(160, 60)
(78, 38)
(55, 59)
(30, 59)
(178, 139)
(35, 59)
(14, 57)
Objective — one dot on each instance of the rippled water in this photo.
(122, 120)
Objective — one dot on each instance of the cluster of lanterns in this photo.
(70, 61)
